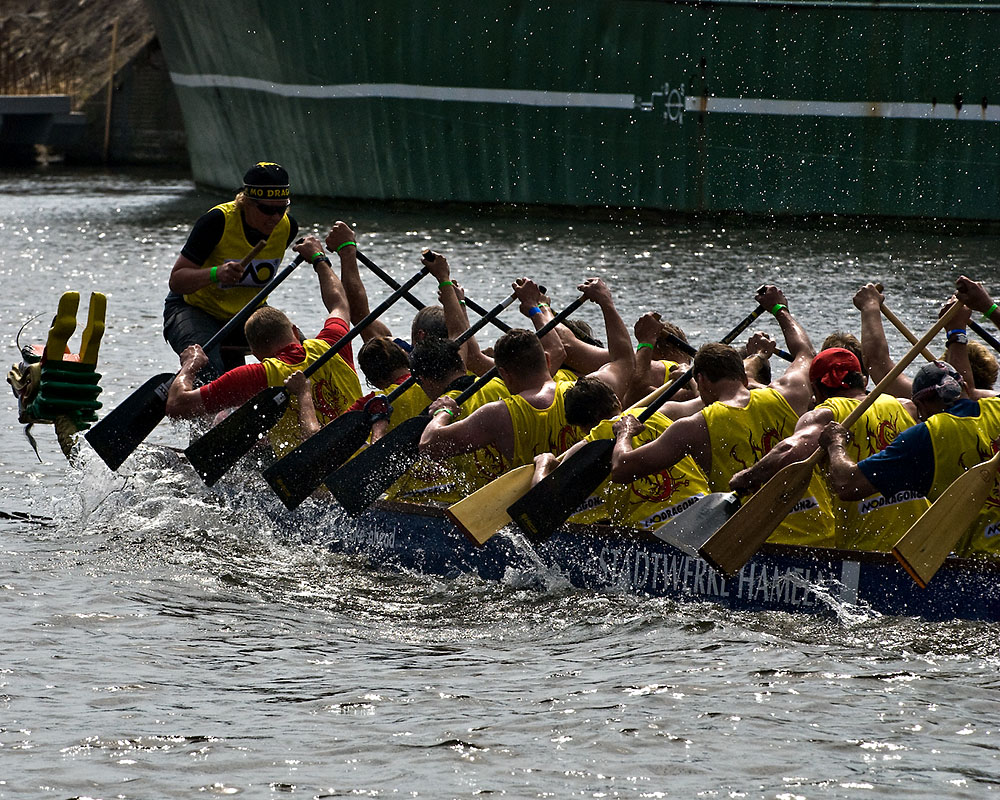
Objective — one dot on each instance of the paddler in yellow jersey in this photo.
(207, 285)
(532, 420)
(439, 370)
(282, 351)
(870, 523)
(737, 425)
(649, 500)
(956, 433)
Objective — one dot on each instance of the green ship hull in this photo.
(763, 108)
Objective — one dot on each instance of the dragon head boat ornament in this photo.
(56, 387)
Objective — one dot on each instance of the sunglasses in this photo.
(270, 211)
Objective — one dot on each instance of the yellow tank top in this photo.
(647, 502)
(959, 444)
(449, 480)
(223, 304)
(541, 430)
(876, 522)
(668, 365)
(740, 437)
(335, 388)
(409, 404)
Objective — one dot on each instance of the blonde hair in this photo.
(268, 330)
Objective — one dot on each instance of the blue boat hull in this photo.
(778, 578)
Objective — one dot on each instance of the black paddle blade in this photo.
(689, 530)
(116, 436)
(299, 473)
(217, 452)
(358, 483)
(555, 498)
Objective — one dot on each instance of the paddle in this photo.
(484, 512)
(117, 436)
(735, 542)
(924, 547)
(359, 482)
(215, 453)
(413, 301)
(686, 347)
(297, 475)
(985, 335)
(551, 501)
(907, 333)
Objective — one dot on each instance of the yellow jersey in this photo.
(223, 303)
(876, 522)
(741, 436)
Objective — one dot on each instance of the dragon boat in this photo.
(421, 538)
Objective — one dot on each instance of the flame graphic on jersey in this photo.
(884, 433)
(658, 487)
(327, 399)
(770, 438)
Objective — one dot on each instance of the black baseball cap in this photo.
(266, 180)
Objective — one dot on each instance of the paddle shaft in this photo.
(985, 335)
(680, 344)
(484, 512)
(372, 315)
(907, 333)
(493, 372)
(240, 317)
(118, 435)
(918, 347)
(413, 301)
(482, 322)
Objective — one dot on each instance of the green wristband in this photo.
(988, 314)
(778, 307)
(213, 274)
(642, 345)
(342, 246)
(445, 283)
(447, 411)
(318, 254)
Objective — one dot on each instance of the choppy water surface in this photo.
(158, 643)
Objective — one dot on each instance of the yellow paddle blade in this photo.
(730, 547)
(924, 547)
(484, 512)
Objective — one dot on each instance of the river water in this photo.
(157, 642)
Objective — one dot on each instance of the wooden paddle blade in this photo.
(924, 547)
(555, 498)
(297, 475)
(690, 530)
(730, 547)
(217, 452)
(361, 481)
(117, 436)
(484, 512)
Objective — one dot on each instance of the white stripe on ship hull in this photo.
(709, 105)
(823, 108)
